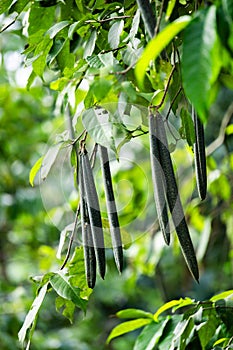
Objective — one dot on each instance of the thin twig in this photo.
(8, 25)
(89, 21)
(93, 155)
(221, 137)
(71, 238)
(125, 70)
(159, 18)
(112, 50)
(173, 101)
(165, 90)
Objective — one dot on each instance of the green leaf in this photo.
(223, 295)
(167, 306)
(90, 45)
(228, 10)
(201, 61)
(220, 341)
(168, 333)
(134, 313)
(42, 50)
(187, 130)
(127, 327)
(66, 307)
(134, 26)
(31, 316)
(150, 336)
(34, 170)
(18, 6)
(77, 273)
(100, 88)
(4, 5)
(182, 333)
(183, 302)
(207, 328)
(114, 34)
(56, 28)
(62, 286)
(46, 16)
(157, 44)
(96, 121)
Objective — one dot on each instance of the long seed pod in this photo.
(200, 156)
(158, 181)
(88, 246)
(111, 209)
(94, 212)
(148, 16)
(174, 201)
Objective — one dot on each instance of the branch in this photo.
(221, 137)
(165, 90)
(114, 18)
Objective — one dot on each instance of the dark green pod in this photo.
(174, 201)
(88, 246)
(158, 181)
(94, 212)
(111, 209)
(200, 156)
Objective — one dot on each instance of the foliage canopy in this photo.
(97, 65)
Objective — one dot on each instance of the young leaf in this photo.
(63, 287)
(150, 336)
(166, 306)
(201, 60)
(133, 313)
(222, 295)
(170, 7)
(157, 44)
(34, 170)
(127, 327)
(30, 318)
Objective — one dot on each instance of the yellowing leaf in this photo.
(167, 306)
(34, 170)
(127, 327)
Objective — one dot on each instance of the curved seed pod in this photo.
(158, 181)
(174, 201)
(88, 246)
(111, 208)
(148, 16)
(199, 156)
(94, 212)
